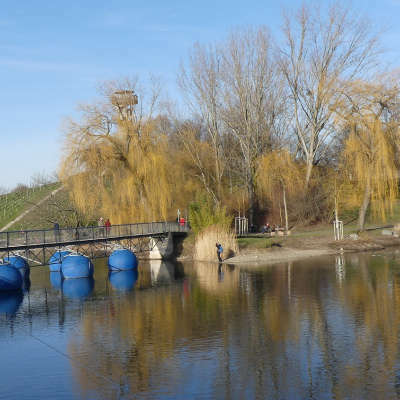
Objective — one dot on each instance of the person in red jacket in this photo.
(107, 224)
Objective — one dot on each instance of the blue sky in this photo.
(54, 53)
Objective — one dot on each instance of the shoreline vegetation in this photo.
(259, 250)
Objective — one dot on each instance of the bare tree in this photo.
(201, 85)
(254, 101)
(238, 92)
(321, 50)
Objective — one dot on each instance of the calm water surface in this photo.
(317, 329)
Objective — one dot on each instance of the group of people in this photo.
(106, 224)
(267, 228)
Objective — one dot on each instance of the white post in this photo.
(338, 229)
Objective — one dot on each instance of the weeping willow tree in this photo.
(369, 161)
(277, 172)
(117, 163)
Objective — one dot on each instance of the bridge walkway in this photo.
(11, 241)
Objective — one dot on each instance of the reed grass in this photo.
(205, 249)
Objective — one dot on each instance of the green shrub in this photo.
(203, 214)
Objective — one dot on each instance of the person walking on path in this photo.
(56, 232)
(219, 251)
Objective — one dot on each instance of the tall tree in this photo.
(117, 164)
(236, 89)
(201, 85)
(254, 102)
(370, 158)
(321, 49)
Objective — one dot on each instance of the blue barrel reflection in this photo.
(56, 280)
(17, 261)
(78, 288)
(10, 302)
(121, 260)
(123, 280)
(56, 260)
(10, 278)
(26, 282)
(76, 266)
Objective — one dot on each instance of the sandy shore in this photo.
(305, 248)
(274, 256)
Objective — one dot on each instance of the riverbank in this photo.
(261, 250)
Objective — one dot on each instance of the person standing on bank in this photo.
(219, 251)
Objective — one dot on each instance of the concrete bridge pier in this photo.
(161, 249)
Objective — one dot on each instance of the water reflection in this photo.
(123, 280)
(10, 302)
(78, 288)
(56, 280)
(339, 268)
(217, 278)
(25, 274)
(162, 272)
(321, 328)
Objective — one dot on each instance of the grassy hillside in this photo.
(14, 203)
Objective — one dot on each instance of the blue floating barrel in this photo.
(56, 260)
(76, 266)
(10, 278)
(77, 288)
(17, 261)
(122, 259)
(10, 302)
(56, 280)
(123, 280)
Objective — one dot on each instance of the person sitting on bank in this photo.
(264, 229)
(219, 251)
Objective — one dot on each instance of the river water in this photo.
(324, 328)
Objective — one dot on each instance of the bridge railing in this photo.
(71, 235)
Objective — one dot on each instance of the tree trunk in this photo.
(309, 163)
(364, 207)
(285, 207)
(250, 187)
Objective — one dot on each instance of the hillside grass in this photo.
(15, 203)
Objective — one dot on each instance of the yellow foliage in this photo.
(369, 159)
(122, 177)
(277, 169)
(369, 164)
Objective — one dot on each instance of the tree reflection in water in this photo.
(287, 331)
